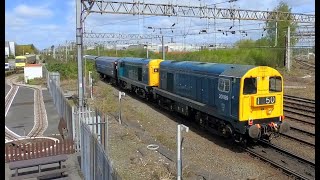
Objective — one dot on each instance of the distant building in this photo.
(136, 46)
(6, 48)
(10, 48)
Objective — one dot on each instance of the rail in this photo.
(290, 163)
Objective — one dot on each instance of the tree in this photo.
(281, 26)
(246, 43)
(277, 30)
(23, 49)
(263, 42)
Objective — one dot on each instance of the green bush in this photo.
(69, 70)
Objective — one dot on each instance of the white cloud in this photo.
(32, 11)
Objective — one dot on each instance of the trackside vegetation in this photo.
(69, 70)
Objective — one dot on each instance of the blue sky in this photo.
(52, 22)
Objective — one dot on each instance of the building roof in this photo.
(33, 65)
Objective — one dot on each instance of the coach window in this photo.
(224, 85)
(275, 84)
(250, 86)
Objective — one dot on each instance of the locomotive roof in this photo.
(90, 57)
(233, 70)
(135, 60)
(107, 58)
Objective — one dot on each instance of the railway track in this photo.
(280, 158)
(10, 135)
(302, 100)
(304, 121)
(300, 109)
(303, 63)
(40, 115)
(301, 138)
(302, 131)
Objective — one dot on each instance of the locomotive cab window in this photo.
(275, 84)
(250, 86)
(224, 85)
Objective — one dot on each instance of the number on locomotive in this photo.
(266, 100)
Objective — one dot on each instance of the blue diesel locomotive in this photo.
(237, 101)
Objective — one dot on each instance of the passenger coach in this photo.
(107, 67)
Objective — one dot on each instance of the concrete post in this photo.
(288, 60)
(107, 135)
(147, 52)
(120, 95)
(79, 50)
(180, 128)
(276, 38)
(90, 84)
(163, 53)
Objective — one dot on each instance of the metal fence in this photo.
(65, 110)
(95, 163)
(87, 128)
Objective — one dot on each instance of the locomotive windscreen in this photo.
(250, 86)
(275, 84)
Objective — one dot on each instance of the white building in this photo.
(10, 48)
(32, 71)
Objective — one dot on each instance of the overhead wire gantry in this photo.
(85, 7)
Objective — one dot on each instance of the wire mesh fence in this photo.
(95, 163)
